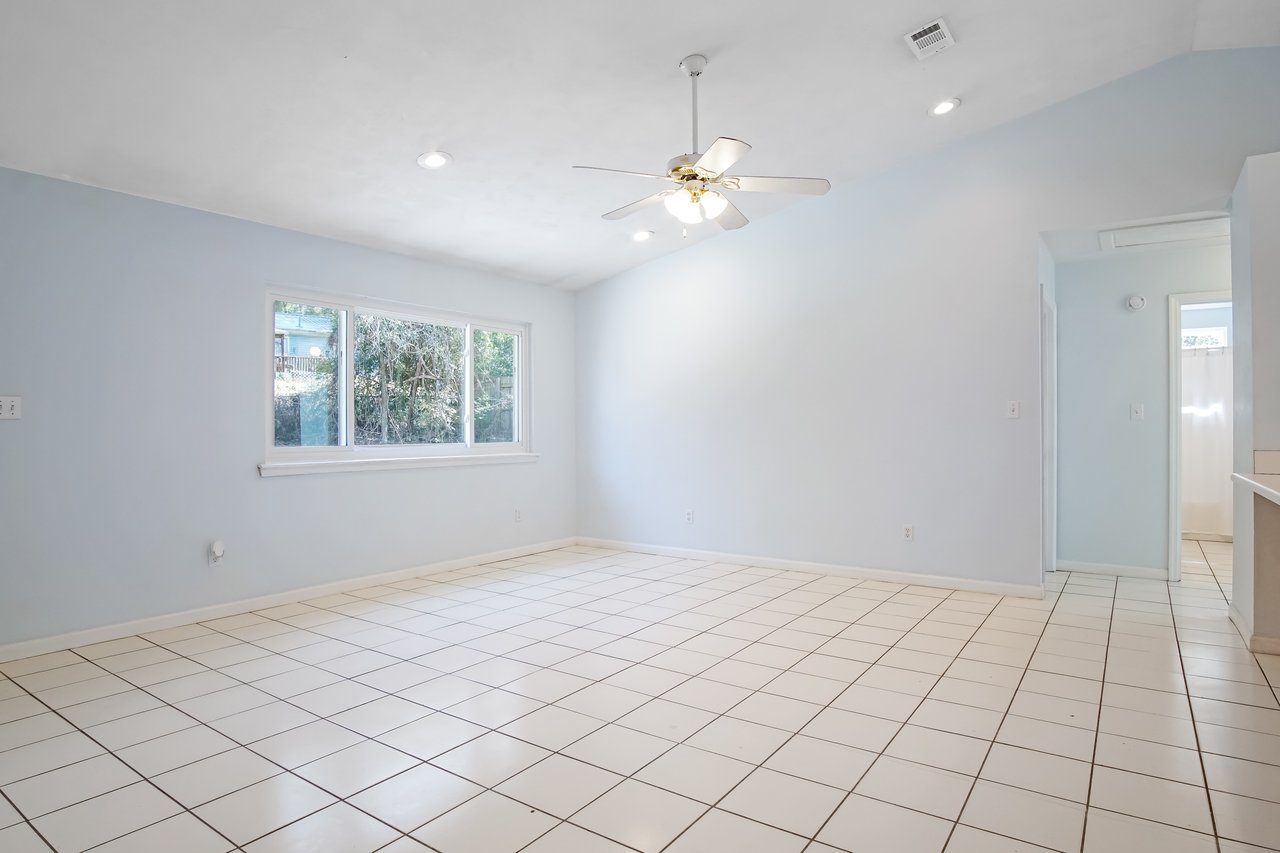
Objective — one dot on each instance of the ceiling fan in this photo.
(700, 178)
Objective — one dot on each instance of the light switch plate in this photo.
(1013, 409)
(10, 408)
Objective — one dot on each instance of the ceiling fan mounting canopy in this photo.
(700, 177)
(693, 64)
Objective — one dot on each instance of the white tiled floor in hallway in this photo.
(588, 701)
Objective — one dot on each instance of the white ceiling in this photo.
(308, 114)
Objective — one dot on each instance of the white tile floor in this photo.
(598, 702)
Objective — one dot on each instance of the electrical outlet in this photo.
(688, 516)
(1013, 409)
(908, 533)
(519, 517)
(10, 408)
(217, 551)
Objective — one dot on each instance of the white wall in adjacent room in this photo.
(813, 382)
(136, 334)
(1255, 257)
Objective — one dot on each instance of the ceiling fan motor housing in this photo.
(683, 163)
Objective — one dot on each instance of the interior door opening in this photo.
(1200, 421)
(1049, 431)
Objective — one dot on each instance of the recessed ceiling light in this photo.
(943, 107)
(434, 160)
(642, 236)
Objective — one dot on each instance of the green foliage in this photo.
(494, 362)
(409, 381)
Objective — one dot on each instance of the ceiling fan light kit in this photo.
(700, 177)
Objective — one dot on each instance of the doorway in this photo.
(1200, 421)
(1049, 431)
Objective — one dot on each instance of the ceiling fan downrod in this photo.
(694, 65)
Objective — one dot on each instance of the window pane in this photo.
(1214, 338)
(307, 375)
(408, 381)
(495, 385)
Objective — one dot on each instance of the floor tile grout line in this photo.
(1213, 574)
(810, 839)
(24, 820)
(631, 776)
(290, 772)
(238, 745)
(276, 698)
(1195, 728)
(903, 724)
(826, 596)
(198, 722)
(815, 606)
(992, 742)
(1093, 758)
(142, 778)
(446, 710)
(1274, 687)
(345, 799)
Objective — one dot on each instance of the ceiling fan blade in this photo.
(797, 186)
(722, 154)
(634, 206)
(731, 218)
(622, 172)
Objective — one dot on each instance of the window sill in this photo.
(388, 463)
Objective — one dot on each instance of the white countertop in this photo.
(1267, 485)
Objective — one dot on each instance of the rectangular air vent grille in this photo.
(930, 39)
(1200, 231)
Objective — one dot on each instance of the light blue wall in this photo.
(1113, 472)
(816, 380)
(139, 448)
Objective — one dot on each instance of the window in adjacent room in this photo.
(1210, 338)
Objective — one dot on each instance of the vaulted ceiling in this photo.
(309, 114)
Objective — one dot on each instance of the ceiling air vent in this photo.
(929, 39)
(1212, 231)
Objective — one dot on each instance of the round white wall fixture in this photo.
(1135, 303)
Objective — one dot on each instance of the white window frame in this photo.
(348, 456)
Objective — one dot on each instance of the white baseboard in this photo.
(1264, 645)
(967, 584)
(1258, 645)
(1242, 625)
(1143, 572)
(1191, 535)
(42, 645)
(75, 639)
